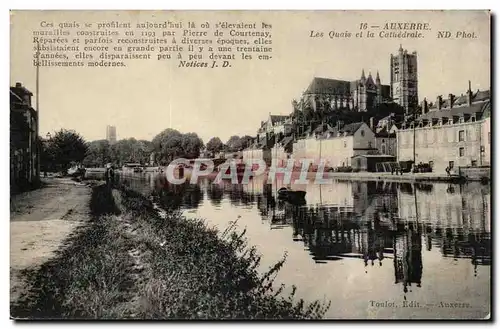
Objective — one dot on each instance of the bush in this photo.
(201, 273)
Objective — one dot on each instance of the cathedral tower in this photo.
(404, 79)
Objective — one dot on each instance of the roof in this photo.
(15, 97)
(478, 96)
(387, 118)
(481, 95)
(328, 87)
(322, 128)
(20, 90)
(374, 156)
(384, 132)
(278, 118)
(461, 100)
(351, 128)
(277, 138)
(287, 141)
(455, 111)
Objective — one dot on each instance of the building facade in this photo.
(336, 147)
(404, 79)
(24, 143)
(449, 136)
(363, 94)
(111, 134)
(275, 125)
(386, 141)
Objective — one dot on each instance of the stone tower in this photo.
(404, 79)
(379, 89)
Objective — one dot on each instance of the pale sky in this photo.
(147, 97)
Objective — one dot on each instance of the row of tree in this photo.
(171, 144)
(67, 148)
(101, 152)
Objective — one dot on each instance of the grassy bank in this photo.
(89, 276)
(130, 262)
(196, 273)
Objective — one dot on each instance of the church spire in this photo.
(363, 78)
(377, 79)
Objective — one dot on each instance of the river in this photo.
(375, 250)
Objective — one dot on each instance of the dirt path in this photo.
(40, 221)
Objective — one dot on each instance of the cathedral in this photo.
(367, 93)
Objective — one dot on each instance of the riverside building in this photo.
(450, 133)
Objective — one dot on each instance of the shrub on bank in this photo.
(198, 273)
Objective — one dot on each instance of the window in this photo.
(461, 135)
(362, 133)
(431, 164)
(345, 144)
(451, 164)
(474, 163)
(461, 152)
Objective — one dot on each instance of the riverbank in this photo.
(355, 176)
(40, 221)
(132, 262)
(405, 177)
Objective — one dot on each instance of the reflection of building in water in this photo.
(338, 196)
(376, 241)
(375, 200)
(456, 218)
(408, 257)
(459, 207)
(266, 201)
(373, 221)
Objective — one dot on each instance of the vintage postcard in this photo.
(250, 165)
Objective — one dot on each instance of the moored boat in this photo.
(287, 194)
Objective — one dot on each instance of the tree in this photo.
(167, 144)
(233, 144)
(215, 145)
(171, 144)
(191, 145)
(99, 153)
(65, 148)
(245, 141)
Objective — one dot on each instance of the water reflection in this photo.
(377, 223)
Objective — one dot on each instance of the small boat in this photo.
(290, 195)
